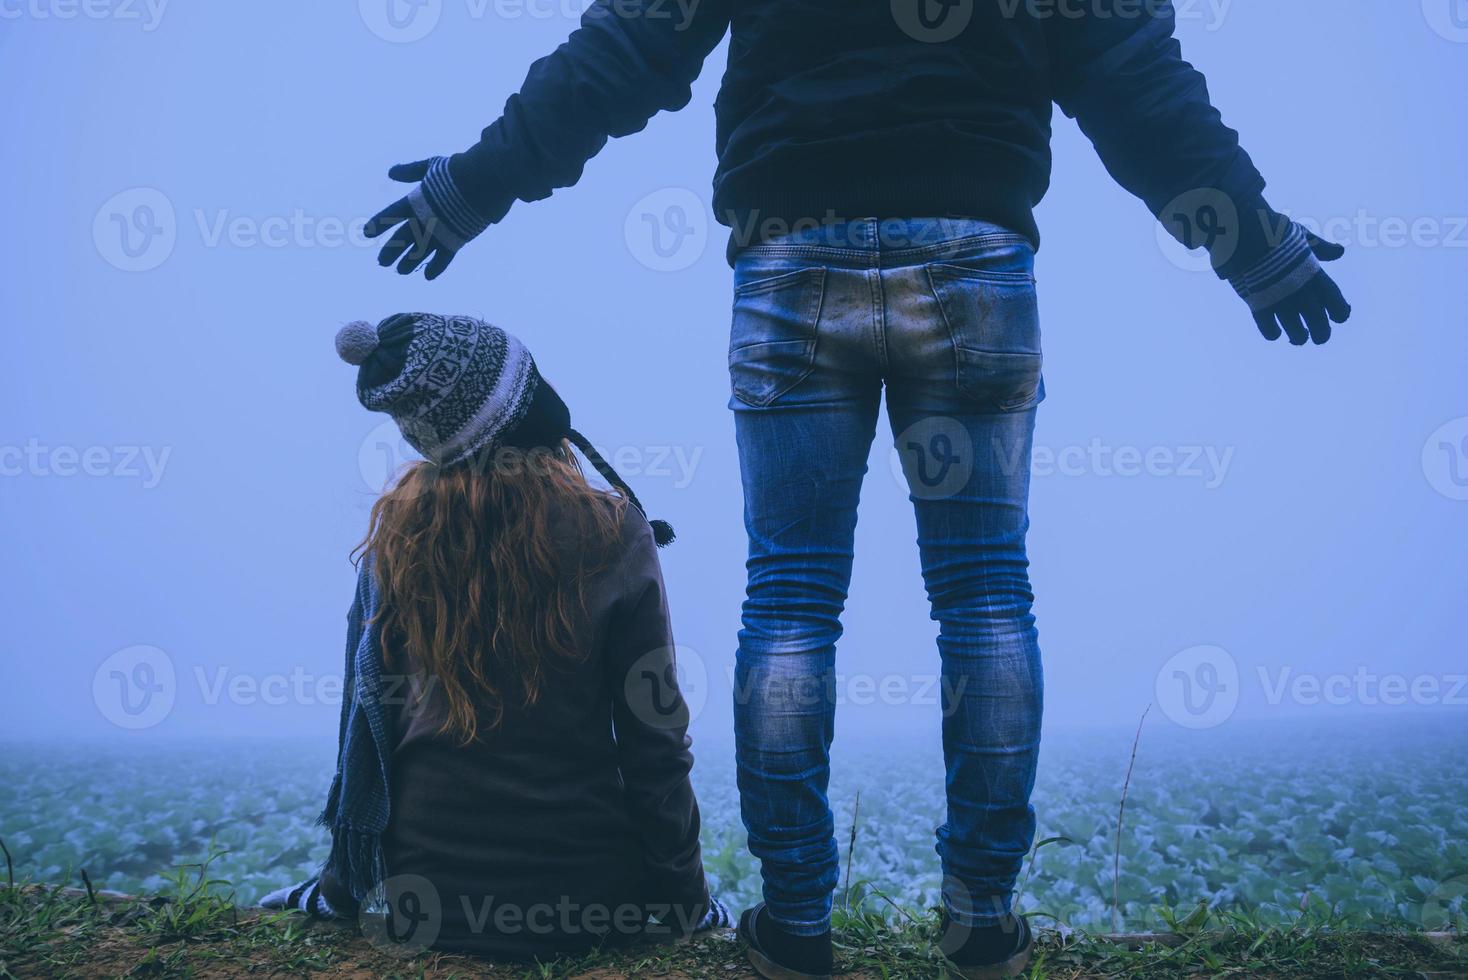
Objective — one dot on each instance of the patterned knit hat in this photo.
(459, 387)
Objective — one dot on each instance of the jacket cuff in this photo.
(1237, 192)
(684, 903)
(1282, 271)
(439, 199)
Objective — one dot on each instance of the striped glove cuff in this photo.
(443, 209)
(1285, 269)
(304, 897)
(717, 917)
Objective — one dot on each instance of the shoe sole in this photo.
(767, 967)
(771, 970)
(997, 971)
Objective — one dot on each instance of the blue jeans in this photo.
(942, 313)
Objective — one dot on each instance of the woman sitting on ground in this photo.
(512, 777)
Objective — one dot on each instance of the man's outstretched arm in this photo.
(627, 61)
(1119, 71)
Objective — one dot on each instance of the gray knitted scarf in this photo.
(357, 804)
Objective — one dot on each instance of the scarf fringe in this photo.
(356, 861)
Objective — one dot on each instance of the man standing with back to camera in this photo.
(879, 163)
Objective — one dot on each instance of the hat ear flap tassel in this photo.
(662, 531)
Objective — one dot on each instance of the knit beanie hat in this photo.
(458, 387)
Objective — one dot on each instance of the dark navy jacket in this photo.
(840, 109)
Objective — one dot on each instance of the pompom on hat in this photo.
(356, 341)
(458, 386)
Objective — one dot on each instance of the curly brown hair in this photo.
(473, 583)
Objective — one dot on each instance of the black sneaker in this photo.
(989, 952)
(777, 955)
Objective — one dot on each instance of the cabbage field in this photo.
(1367, 819)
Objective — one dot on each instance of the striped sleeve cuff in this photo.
(438, 200)
(1284, 270)
(717, 917)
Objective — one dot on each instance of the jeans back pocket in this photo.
(772, 343)
(994, 321)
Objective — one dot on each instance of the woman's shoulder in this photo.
(603, 529)
(635, 548)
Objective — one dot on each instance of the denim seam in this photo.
(985, 275)
(815, 330)
(989, 238)
(994, 238)
(948, 325)
(757, 286)
(831, 251)
(818, 280)
(879, 319)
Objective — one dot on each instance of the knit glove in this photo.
(1288, 292)
(717, 917)
(435, 218)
